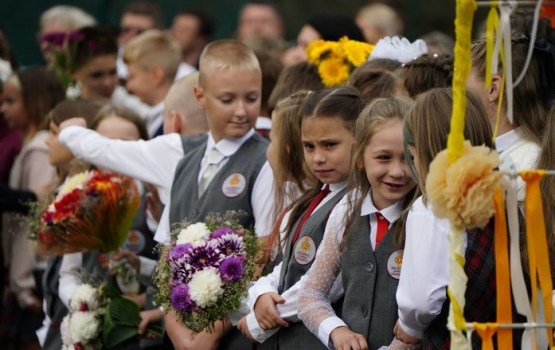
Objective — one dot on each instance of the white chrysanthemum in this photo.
(206, 287)
(76, 181)
(85, 293)
(67, 340)
(193, 234)
(83, 326)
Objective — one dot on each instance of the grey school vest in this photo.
(297, 336)
(369, 305)
(230, 189)
(242, 169)
(55, 308)
(190, 142)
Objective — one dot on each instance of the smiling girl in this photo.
(364, 237)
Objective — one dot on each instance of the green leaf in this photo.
(124, 312)
(119, 336)
(121, 322)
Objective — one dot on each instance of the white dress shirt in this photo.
(314, 303)
(524, 154)
(425, 273)
(270, 283)
(70, 276)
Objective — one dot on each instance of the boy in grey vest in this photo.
(229, 171)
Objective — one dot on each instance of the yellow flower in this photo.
(356, 52)
(333, 71)
(319, 48)
(76, 181)
(463, 191)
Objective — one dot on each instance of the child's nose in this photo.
(240, 109)
(319, 156)
(398, 169)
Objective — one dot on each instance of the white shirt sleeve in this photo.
(263, 207)
(265, 284)
(163, 229)
(70, 276)
(314, 301)
(152, 161)
(425, 273)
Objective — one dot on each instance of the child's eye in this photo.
(308, 146)
(330, 145)
(384, 157)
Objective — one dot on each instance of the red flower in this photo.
(83, 307)
(46, 238)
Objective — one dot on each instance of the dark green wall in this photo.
(20, 17)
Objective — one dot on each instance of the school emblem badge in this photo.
(304, 250)
(234, 185)
(394, 263)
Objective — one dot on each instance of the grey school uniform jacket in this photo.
(297, 260)
(230, 189)
(55, 308)
(370, 280)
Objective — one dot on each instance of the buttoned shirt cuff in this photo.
(256, 332)
(326, 327)
(256, 292)
(410, 331)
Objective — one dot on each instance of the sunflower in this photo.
(333, 71)
(318, 49)
(356, 52)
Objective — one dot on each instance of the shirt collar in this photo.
(336, 187)
(502, 142)
(154, 112)
(391, 213)
(228, 147)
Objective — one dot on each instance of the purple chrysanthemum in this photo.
(231, 269)
(204, 256)
(231, 244)
(180, 298)
(220, 232)
(180, 251)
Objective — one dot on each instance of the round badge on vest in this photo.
(234, 185)
(394, 263)
(304, 250)
(135, 242)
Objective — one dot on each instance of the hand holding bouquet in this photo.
(205, 269)
(92, 211)
(99, 318)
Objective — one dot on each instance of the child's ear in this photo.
(175, 121)
(158, 74)
(199, 95)
(494, 89)
(359, 163)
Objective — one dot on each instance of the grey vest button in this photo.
(364, 311)
(369, 266)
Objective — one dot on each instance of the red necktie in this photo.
(383, 226)
(311, 206)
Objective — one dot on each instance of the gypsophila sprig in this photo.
(337, 59)
(205, 269)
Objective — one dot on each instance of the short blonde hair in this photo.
(225, 55)
(181, 99)
(152, 49)
(383, 17)
(71, 17)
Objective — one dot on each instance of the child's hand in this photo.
(243, 328)
(266, 312)
(147, 317)
(404, 338)
(345, 339)
(73, 122)
(132, 258)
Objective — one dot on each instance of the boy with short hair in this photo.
(152, 59)
(229, 171)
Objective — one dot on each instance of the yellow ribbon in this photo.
(486, 332)
(502, 274)
(538, 255)
(463, 65)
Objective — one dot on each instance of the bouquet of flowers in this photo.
(92, 211)
(337, 59)
(99, 318)
(60, 51)
(205, 269)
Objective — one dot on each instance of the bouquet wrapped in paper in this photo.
(205, 269)
(92, 211)
(99, 318)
